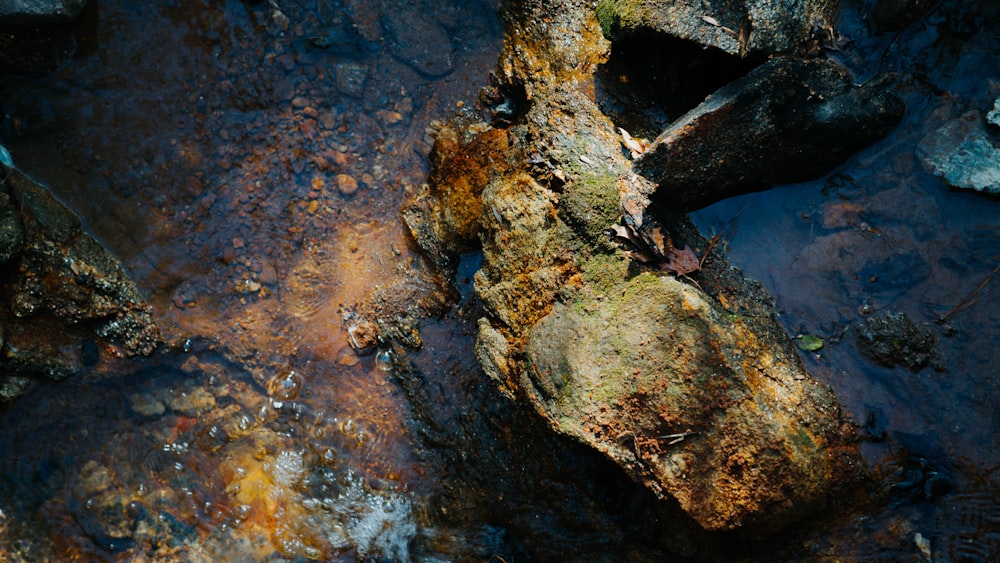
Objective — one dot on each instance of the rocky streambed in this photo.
(553, 362)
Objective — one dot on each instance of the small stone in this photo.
(147, 405)
(268, 275)
(299, 102)
(346, 184)
(238, 243)
(313, 206)
(389, 117)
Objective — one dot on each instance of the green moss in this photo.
(615, 15)
(589, 206)
(604, 271)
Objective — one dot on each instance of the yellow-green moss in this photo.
(590, 205)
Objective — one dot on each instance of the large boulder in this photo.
(744, 27)
(687, 383)
(789, 120)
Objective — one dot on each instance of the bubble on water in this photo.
(287, 468)
(386, 529)
(285, 386)
(383, 360)
(378, 525)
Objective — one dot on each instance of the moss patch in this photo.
(589, 206)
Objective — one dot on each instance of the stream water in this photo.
(247, 161)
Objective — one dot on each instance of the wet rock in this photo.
(416, 38)
(892, 339)
(66, 289)
(444, 215)
(743, 27)
(340, 39)
(993, 117)
(693, 391)
(351, 78)
(963, 154)
(11, 232)
(787, 121)
(22, 13)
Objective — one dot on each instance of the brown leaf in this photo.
(682, 262)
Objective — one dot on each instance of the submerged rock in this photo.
(963, 154)
(691, 388)
(789, 120)
(64, 291)
(892, 339)
(416, 38)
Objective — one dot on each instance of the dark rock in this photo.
(963, 154)
(416, 38)
(892, 339)
(11, 232)
(66, 289)
(787, 121)
(24, 13)
(351, 78)
(765, 26)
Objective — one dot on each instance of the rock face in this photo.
(688, 384)
(62, 291)
(21, 13)
(744, 27)
(788, 120)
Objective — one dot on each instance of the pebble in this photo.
(389, 117)
(346, 184)
(268, 275)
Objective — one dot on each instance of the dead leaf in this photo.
(636, 147)
(682, 262)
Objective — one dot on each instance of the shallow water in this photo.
(204, 144)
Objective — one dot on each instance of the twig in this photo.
(675, 438)
(970, 298)
(711, 245)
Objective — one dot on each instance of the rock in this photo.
(351, 78)
(416, 38)
(11, 232)
(444, 215)
(892, 339)
(694, 391)
(25, 13)
(66, 289)
(787, 121)
(993, 117)
(346, 184)
(963, 154)
(767, 26)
